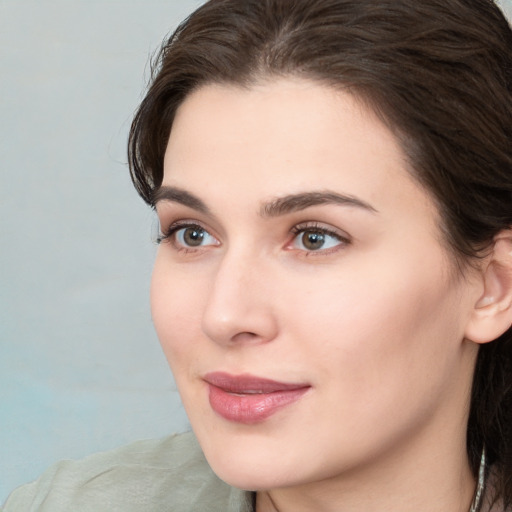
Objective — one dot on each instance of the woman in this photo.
(333, 286)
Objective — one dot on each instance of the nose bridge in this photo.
(239, 304)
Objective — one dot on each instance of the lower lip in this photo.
(251, 408)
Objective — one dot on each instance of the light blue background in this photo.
(80, 367)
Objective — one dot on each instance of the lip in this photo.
(248, 399)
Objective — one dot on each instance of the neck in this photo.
(435, 480)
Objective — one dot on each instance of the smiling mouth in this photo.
(247, 399)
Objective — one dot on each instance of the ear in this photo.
(492, 313)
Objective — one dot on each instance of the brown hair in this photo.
(438, 72)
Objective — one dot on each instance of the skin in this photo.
(374, 321)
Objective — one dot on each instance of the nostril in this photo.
(242, 337)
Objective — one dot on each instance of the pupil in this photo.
(193, 236)
(313, 240)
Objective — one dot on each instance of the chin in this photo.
(252, 476)
(252, 460)
(237, 461)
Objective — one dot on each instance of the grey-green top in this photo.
(168, 475)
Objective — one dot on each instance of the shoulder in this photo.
(170, 474)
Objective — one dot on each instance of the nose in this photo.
(240, 306)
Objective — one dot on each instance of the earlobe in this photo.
(492, 313)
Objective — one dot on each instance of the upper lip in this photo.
(246, 383)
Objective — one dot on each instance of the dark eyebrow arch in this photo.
(275, 208)
(178, 195)
(297, 202)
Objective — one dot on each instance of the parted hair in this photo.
(437, 72)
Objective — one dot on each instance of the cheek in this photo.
(381, 326)
(175, 307)
(382, 347)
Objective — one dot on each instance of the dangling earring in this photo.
(475, 506)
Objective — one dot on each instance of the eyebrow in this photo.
(178, 195)
(274, 208)
(297, 202)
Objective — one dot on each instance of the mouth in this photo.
(248, 399)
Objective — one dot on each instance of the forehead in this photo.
(286, 136)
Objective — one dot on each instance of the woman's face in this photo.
(310, 314)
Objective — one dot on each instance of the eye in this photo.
(193, 236)
(188, 236)
(317, 239)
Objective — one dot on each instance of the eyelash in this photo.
(168, 236)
